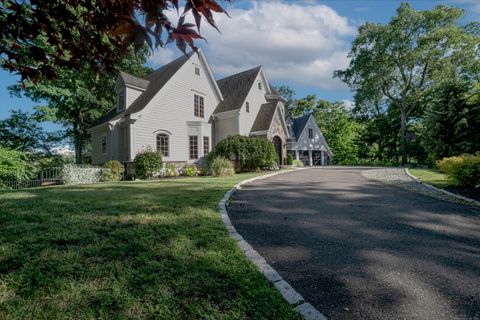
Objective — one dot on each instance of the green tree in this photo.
(451, 122)
(339, 129)
(22, 131)
(77, 99)
(289, 95)
(399, 61)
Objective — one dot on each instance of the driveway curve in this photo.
(361, 249)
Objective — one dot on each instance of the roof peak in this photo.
(257, 69)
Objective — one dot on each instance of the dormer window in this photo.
(121, 101)
(259, 86)
(197, 71)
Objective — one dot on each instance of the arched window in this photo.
(163, 144)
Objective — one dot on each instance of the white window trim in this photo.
(203, 98)
(168, 143)
(101, 143)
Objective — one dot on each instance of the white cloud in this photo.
(298, 43)
(349, 104)
(162, 56)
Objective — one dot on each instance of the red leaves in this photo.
(39, 37)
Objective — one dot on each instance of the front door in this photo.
(278, 148)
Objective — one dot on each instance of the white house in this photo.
(306, 142)
(181, 111)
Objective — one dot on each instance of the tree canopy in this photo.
(400, 62)
(39, 38)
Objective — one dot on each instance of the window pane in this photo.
(206, 145)
(104, 144)
(193, 147)
(196, 110)
(197, 71)
(162, 144)
(199, 109)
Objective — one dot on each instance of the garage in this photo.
(317, 157)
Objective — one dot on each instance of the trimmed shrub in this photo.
(113, 171)
(221, 167)
(73, 174)
(147, 164)
(463, 170)
(170, 170)
(14, 165)
(248, 153)
(297, 163)
(289, 159)
(189, 171)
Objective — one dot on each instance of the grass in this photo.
(124, 250)
(431, 176)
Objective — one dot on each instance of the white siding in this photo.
(226, 127)
(255, 98)
(97, 156)
(131, 95)
(173, 107)
(305, 143)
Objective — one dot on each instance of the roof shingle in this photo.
(235, 89)
(264, 117)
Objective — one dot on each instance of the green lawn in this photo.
(431, 176)
(155, 250)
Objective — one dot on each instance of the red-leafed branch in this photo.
(39, 36)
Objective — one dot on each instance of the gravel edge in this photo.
(448, 193)
(305, 309)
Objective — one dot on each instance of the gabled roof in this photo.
(128, 79)
(235, 89)
(264, 117)
(156, 81)
(298, 124)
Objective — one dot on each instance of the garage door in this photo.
(303, 156)
(317, 157)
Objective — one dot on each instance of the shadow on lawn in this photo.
(127, 250)
(363, 250)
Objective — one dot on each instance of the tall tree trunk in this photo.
(403, 135)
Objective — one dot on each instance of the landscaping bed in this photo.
(439, 180)
(154, 249)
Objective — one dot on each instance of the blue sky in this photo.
(299, 43)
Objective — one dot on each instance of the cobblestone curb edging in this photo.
(450, 194)
(307, 311)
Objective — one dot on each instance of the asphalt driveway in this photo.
(361, 249)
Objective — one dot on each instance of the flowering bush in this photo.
(170, 170)
(73, 174)
(249, 153)
(189, 170)
(463, 170)
(113, 171)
